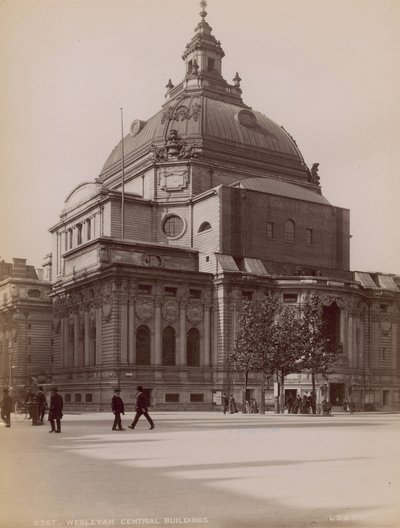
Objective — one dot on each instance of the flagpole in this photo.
(123, 179)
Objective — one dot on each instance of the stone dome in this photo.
(209, 116)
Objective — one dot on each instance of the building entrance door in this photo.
(147, 393)
(336, 393)
(386, 397)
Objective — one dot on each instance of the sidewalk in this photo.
(222, 471)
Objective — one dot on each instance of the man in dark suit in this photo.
(6, 405)
(55, 412)
(141, 408)
(117, 406)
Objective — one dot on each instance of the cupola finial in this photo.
(203, 5)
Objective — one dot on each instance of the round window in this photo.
(173, 226)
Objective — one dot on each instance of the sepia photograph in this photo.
(199, 263)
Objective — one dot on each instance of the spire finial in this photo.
(203, 5)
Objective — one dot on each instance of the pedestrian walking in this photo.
(225, 402)
(6, 405)
(55, 412)
(117, 406)
(42, 404)
(141, 408)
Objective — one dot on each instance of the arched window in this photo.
(143, 346)
(205, 226)
(290, 231)
(193, 348)
(168, 346)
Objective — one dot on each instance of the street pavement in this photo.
(203, 469)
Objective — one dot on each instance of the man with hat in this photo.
(55, 411)
(6, 404)
(141, 408)
(117, 406)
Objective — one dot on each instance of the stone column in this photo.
(157, 333)
(124, 330)
(131, 332)
(98, 334)
(206, 354)
(87, 337)
(182, 358)
(76, 340)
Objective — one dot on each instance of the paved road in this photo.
(203, 469)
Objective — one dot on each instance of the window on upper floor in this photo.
(70, 238)
(88, 229)
(211, 64)
(270, 230)
(79, 234)
(290, 231)
(194, 294)
(309, 237)
(173, 226)
(205, 226)
(170, 291)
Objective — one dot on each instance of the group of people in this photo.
(252, 406)
(118, 408)
(306, 404)
(228, 404)
(36, 405)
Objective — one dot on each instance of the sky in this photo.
(326, 70)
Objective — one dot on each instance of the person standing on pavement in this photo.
(42, 404)
(117, 406)
(6, 404)
(55, 412)
(141, 408)
(225, 403)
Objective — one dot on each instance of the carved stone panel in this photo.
(194, 313)
(173, 178)
(144, 309)
(170, 310)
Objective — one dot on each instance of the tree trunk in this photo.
(282, 393)
(262, 402)
(246, 378)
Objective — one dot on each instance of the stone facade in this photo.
(26, 327)
(217, 205)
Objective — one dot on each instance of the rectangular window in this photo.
(88, 398)
(196, 398)
(70, 238)
(67, 398)
(194, 294)
(211, 64)
(270, 230)
(290, 298)
(309, 237)
(172, 398)
(144, 289)
(78, 398)
(384, 308)
(79, 234)
(88, 229)
(170, 292)
(247, 295)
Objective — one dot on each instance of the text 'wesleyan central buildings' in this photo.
(217, 206)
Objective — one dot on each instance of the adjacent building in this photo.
(26, 326)
(204, 204)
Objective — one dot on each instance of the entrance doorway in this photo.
(386, 397)
(147, 393)
(336, 393)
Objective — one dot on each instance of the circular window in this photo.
(247, 118)
(173, 226)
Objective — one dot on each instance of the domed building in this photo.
(205, 204)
